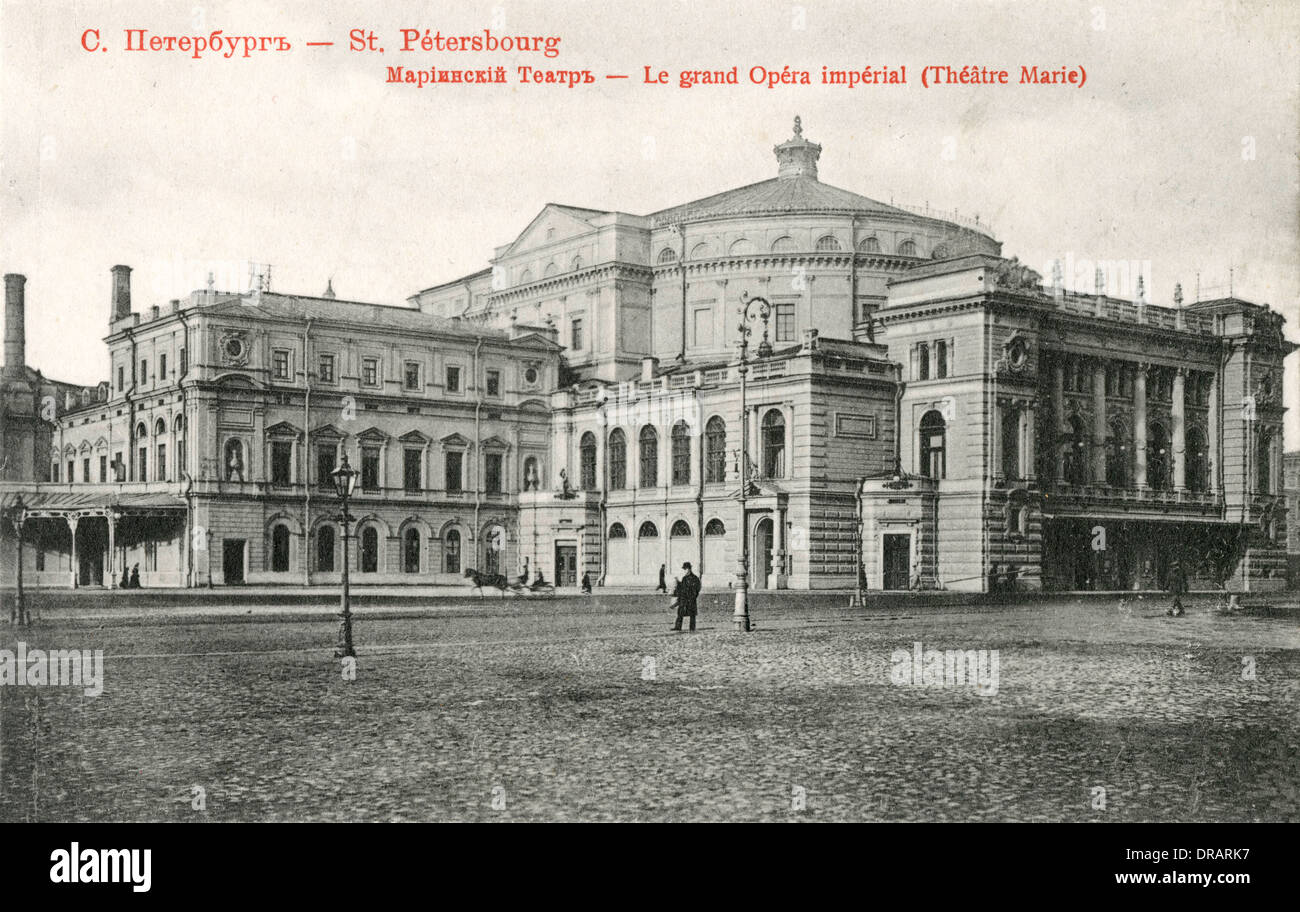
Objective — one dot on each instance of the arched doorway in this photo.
(761, 554)
(369, 550)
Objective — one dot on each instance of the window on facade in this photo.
(587, 462)
(411, 376)
(648, 530)
(1158, 458)
(369, 550)
(326, 459)
(281, 462)
(492, 472)
(575, 334)
(1117, 456)
(453, 379)
(144, 371)
(162, 463)
(783, 244)
(773, 429)
(617, 460)
(1198, 461)
(103, 469)
(494, 383)
(325, 368)
(280, 364)
(1264, 463)
(280, 549)
(827, 244)
(1010, 444)
(54, 472)
(680, 529)
(715, 450)
(452, 471)
(144, 465)
(119, 467)
(934, 433)
(715, 527)
(667, 255)
(411, 551)
(1076, 452)
(681, 444)
(370, 468)
(370, 371)
(85, 469)
(785, 322)
(869, 245)
(941, 359)
(72, 475)
(907, 248)
(702, 328)
(411, 481)
(617, 531)
(649, 457)
(185, 361)
(162, 368)
(923, 361)
(121, 378)
(451, 552)
(325, 549)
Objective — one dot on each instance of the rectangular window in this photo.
(576, 333)
(161, 468)
(411, 377)
(144, 372)
(370, 371)
(85, 470)
(453, 379)
(703, 328)
(923, 361)
(941, 356)
(103, 469)
(280, 364)
(325, 461)
(144, 463)
(453, 461)
(121, 378)
(370, 469)
(492, 473)
(325, 369)
(494, 383)
(71, 475)
(785, 322)
(119, 470)
(162, 368)
(281, 462)
(54, 472)
(411, 471)
(185, 362)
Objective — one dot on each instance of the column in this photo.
(1058, 420)
(110, 570)
(1140, 427)
(1212, 463)
(1178, 414)
(778, 550)
(1027, 428)
(1099, 423)
(72, 527)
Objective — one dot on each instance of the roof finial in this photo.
(798, 126)
(329, 288)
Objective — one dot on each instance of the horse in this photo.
(494, 580)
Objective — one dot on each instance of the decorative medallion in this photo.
(234, 348)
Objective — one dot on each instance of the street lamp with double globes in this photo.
(345, 480)
(750, 309)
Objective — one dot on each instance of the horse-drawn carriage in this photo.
(519, 586)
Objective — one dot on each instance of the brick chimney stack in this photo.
(15, 326)
(121, 293)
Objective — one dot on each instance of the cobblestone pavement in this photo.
(1101, 713)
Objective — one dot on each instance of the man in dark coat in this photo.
(687, 593)
(663, 579)
(1177, 586)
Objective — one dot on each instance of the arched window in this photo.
(647, 530)
(649, 457)
(680, 529)
(773, 444)
(550, 270)
(159, 428)
(1198, 461)
(783, 244)
(700, 251)
(451, 551)
(715, 527)
(369, 550)
(617, 531)
(869, 245)
(525, 277)
(1264, 463)
(934, 432)
(681, 443)
(576, 264)
(411, 550)
(1117, 456)
(617, 460)
(280, 549)
(907, 248)
(1076, 452)
(1158, 462)
(587, 456)
(742, 247)
(325, 549)
(667, 255)
(827, 244)
(715, 450)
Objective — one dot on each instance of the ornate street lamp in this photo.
(18, 612)
(345, 479)
(749, 310)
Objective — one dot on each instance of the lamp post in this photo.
(345, 479)
(18, 613)
(750, 308)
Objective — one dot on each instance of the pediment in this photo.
(283, 429)
(414, 437)
(372, 433)
(455, 440)
(560, 222)
(328, 431)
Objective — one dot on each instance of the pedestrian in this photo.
(1177, 586)
(586, 584)
(663, 579)
(135, 577)
(686, 593)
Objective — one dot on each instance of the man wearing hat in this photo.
(687, 591)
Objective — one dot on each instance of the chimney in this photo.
(648, 367)
(15, 331)
(121, 293)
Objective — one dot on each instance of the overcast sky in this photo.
(1180, 151)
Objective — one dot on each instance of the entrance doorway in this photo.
(232, 560)
(897, 551)
(92, 544)
(566, 565)
(762, 553)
